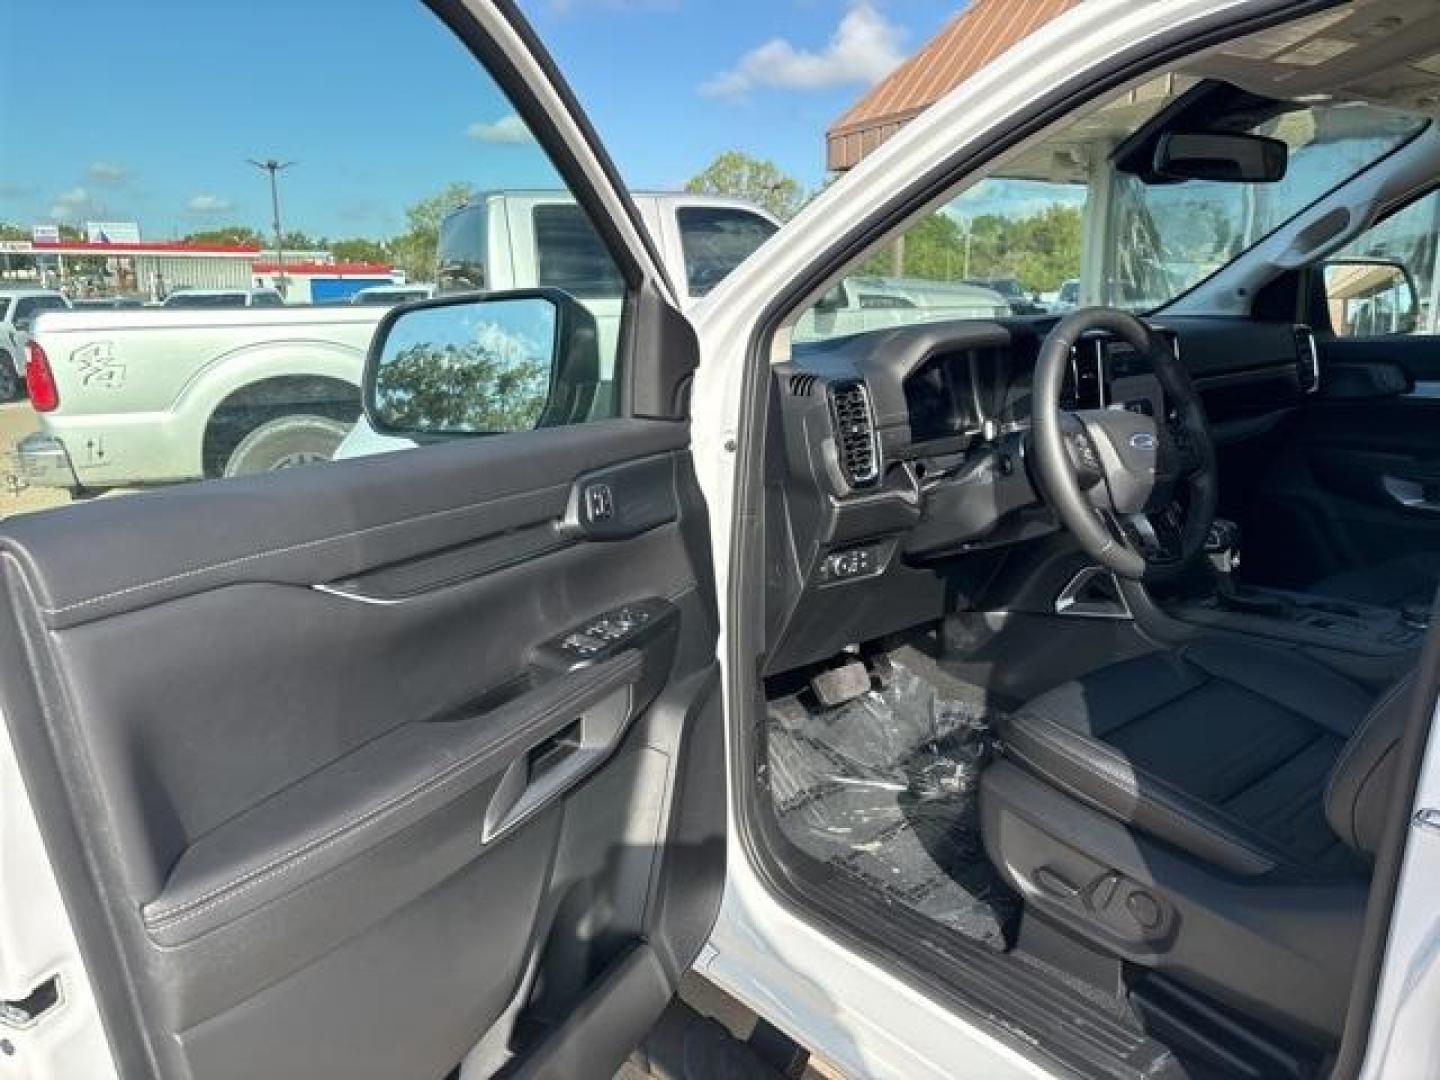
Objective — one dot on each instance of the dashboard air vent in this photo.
(1308, 360)
(802, 385)
(855, 433)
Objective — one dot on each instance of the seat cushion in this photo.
(1221, 749)
(1393, 583)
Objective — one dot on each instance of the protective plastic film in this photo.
(885, 789)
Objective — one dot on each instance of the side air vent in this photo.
(802, 385)
(855, 433)
(1307, 363)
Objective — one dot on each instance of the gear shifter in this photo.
(1222, 549)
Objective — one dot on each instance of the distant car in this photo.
(1069, 295)
(389, 295)
(18, 308)
(224, 298)
(1021, 300)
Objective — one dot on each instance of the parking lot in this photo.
(16, 421)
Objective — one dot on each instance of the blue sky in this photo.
(148, 110)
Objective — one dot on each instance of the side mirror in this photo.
(833, 299)
(1227, 158)
(482, 365)
(1371, 297)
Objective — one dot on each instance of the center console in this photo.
(1220, 603)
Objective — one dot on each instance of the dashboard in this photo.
(903, 451)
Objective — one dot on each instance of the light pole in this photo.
(274, 168)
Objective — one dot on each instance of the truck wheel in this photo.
(12, 386)
(286, 442)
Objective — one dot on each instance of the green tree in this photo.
(743, 177)
(225, 236)
(414, 250)
(461, 388)
(360, 250)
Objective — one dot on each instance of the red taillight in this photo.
(39, 379)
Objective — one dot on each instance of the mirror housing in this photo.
(482, 364)
(1220, 157)
(1370, 296)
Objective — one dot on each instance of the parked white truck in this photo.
(134, 398)
(18, 311)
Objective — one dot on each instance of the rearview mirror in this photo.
(1371, 297)
(478, 365)
(1222, 157)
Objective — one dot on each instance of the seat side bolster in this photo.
(1102, 778)
(1357, 794)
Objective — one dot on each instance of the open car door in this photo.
(374, 767)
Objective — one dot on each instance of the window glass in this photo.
(570, 255)
(1059, 225)
(163, 172)
(715, 240)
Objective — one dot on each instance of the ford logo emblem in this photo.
(1143, 440)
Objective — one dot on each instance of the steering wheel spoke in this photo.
(1144, 511)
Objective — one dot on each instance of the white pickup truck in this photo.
(18, 310)
(134, 398)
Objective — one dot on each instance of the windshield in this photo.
(1059, 225)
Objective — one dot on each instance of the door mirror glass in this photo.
(482, 365)
(1370, 297)
(1231, 158)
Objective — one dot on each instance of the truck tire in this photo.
(285, 442)
(12, 386)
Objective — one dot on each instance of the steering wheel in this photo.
(1137, 492)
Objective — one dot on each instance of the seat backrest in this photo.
(1362, 781)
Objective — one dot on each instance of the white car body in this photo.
(19, 304)
(863, 1018)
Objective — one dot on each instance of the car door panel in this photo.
(352, 790)
(1327, 500)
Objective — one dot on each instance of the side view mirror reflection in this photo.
(1370, 297)
(481, 364)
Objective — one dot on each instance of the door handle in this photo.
(1413, 494)
(557, 763)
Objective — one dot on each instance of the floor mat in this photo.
(885, 789)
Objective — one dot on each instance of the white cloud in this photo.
(107, 172)
(864, 48)
(209, 204)
(74, 205)
(508, 131)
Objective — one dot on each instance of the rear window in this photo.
(205, 300)
(570, 255)
(27, 307)
(460, 259)
(266, 299)
(717, 239)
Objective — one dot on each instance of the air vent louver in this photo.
(802, 385)
(1307, 363)
(855, 433)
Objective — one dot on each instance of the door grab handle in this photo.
(557, 763)
(1411, 494)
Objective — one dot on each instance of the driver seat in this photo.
(1210, 812)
